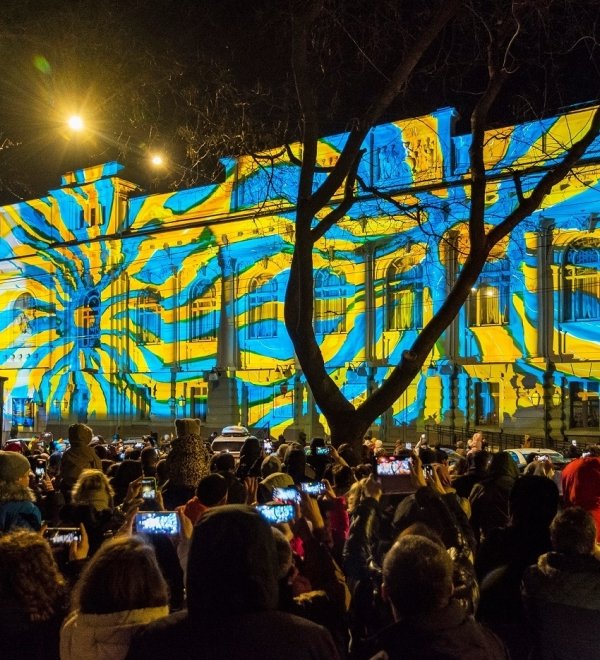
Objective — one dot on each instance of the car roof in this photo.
(235, 429)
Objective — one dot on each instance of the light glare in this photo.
(76, 123)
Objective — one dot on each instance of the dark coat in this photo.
(448, 634)
(266, 635)
(75, 460)
(561, 595)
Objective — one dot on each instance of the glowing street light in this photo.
(75, 123)
(157, 160)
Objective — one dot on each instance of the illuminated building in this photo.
(125, 310)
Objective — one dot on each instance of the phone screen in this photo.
(62, 536)
(390, 466)
(278, 513)
(286, 495)
(148, 490)
(157, 522)
(323, 451)
(313, 488)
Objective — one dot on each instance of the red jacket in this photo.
(581, 486)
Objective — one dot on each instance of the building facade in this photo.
(126, 310)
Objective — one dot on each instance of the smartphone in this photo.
(387, 466)
(268, 447)
(40, 469)
(157, 522)
(286, 495)
(277, 513)
(62, 536)
(314, 488)
(323, 451)
(148, 490)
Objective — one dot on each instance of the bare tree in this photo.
(501, 29)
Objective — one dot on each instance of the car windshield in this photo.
(224, 445)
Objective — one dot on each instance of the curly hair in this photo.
(29, 574)
(89, 484)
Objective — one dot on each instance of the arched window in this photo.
(148, 317)
(203, 313)
(262, 308)
(404, 297)
(24, 313)
(330, 302)
(582, 283)
(89, 319)
(489, 301)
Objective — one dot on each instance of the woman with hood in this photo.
(17, 508)
(251, 457)
(489, 498)
(79, 457)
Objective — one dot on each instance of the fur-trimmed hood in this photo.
(552, 563)
(14, 492)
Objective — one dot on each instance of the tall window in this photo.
(262, 308)
(330, 302)
(584, 405)
(489, 301)
(203, 313)
(487, 403)
(89, 319)
(404, 297)
(23, 309)
(582, 283)
(148, 317)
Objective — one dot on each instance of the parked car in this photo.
(559, 461)
(231, 439)
(521, 455)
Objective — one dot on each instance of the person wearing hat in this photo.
(188, 461)
(17, 508)
(79, 457)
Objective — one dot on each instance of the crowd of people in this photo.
(306, 551)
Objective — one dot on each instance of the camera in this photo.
(157, 522)
(313, 488)
(277, 513)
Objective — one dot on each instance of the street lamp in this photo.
(75, 123)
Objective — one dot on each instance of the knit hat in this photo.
(278, 480)
(187, 426)
(13, 466)
(80, 435)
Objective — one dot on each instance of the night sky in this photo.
(198, 80)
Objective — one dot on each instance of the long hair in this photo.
(29, 574)
(91, 487)
(123, 575)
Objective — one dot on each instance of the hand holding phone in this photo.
(313, 488)
(148, 488)
(276, 514)
(288, 495)
(157, 522)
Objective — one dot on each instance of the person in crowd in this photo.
(251, 456)
(296, 466)
(417, 582)
(275, 480)
(541, 466)
(561, 593)
(477, 463)
(79, 457)
(17, 507)
(210, 492)
(224, 464)
(188, 461)
(489, 498)
(580, 481)
(125, 472)
(361, 560)
(269, 465)
(476, 443)
(92, 505)
(318, 461)
(120, 590)
(505, 554)
(33, 598)
(232, 590)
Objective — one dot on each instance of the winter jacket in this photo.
(75, 460)
(448, 634)
(101, 636)
(188, 461)
(17, 508)
(561, 595)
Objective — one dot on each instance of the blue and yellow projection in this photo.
(126, 310)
